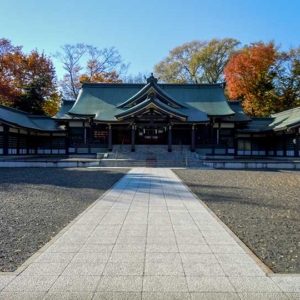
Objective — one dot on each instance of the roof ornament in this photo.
(151, 79)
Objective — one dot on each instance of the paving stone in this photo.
(134, 240)
(5, 280)
(35, 269)
(161, 240)
(89, 248)
(173, 269)
(21, 296)
(226, 249)
(133, 233)
(293, 296)
(96, 239)
(264, 296)
(129, 248)
(200, 248)
(243, 270)
(75, 284)
(203, 270)
(117, 296)
(129, 268)
(209, 284)
(64, 248)
(236, 258)
(161, 248)
(55, 257)
(93, 257)
(191, 240)
(214, 296)
(69, 296)
(165, 296)
(254, 284)
(188, 258)
(118, 257)
(164, 284)
(84, 269)
(30, 284)
(288, 284)
(120, 284)
(166, 258)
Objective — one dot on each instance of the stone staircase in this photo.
(151, 156)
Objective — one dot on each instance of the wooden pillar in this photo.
(193, 138)
(297, 144)
(284, 143)
(18, 142)
(133, 138)
(109, 138)
(170, 139)
(5, 139)
(235, 142)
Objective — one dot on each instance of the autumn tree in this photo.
(250, 75)
(196, 61)
(26, 80)
(287, 80)
(88, 63)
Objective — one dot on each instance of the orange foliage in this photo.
(249, 76)
(18, 70)
(108, 77)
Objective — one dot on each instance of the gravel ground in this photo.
(36, 203)
(261, 207)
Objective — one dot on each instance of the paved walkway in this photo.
(147, 238)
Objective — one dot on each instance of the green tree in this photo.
(197, 61)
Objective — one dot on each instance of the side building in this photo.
(105, 116)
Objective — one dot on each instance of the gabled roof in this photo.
(151, 88)
(105, 101)
(276, 122)
(286, 119)
(63, 112)
(239, 115)
(19, 118)
(152, 102)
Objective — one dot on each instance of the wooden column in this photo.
(193, 138)
(18, 142)
(132, 138)
(5, 139)
(109, 138)
(170, 139)
(297, 144)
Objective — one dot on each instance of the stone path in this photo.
(147, 238)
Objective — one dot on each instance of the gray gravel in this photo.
(36, 203)
(261, 207)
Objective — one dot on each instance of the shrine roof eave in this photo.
(82, 115)
(143, 92)
(151, 103)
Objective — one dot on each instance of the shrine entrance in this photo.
(151, 135)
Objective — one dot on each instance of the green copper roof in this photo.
(63, 112)
(287, 119)
(151, 87)
(152, 101)
(276, 122)
(21, 119)
(104, 102)
(239, 115)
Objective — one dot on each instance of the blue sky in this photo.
(145, 31)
